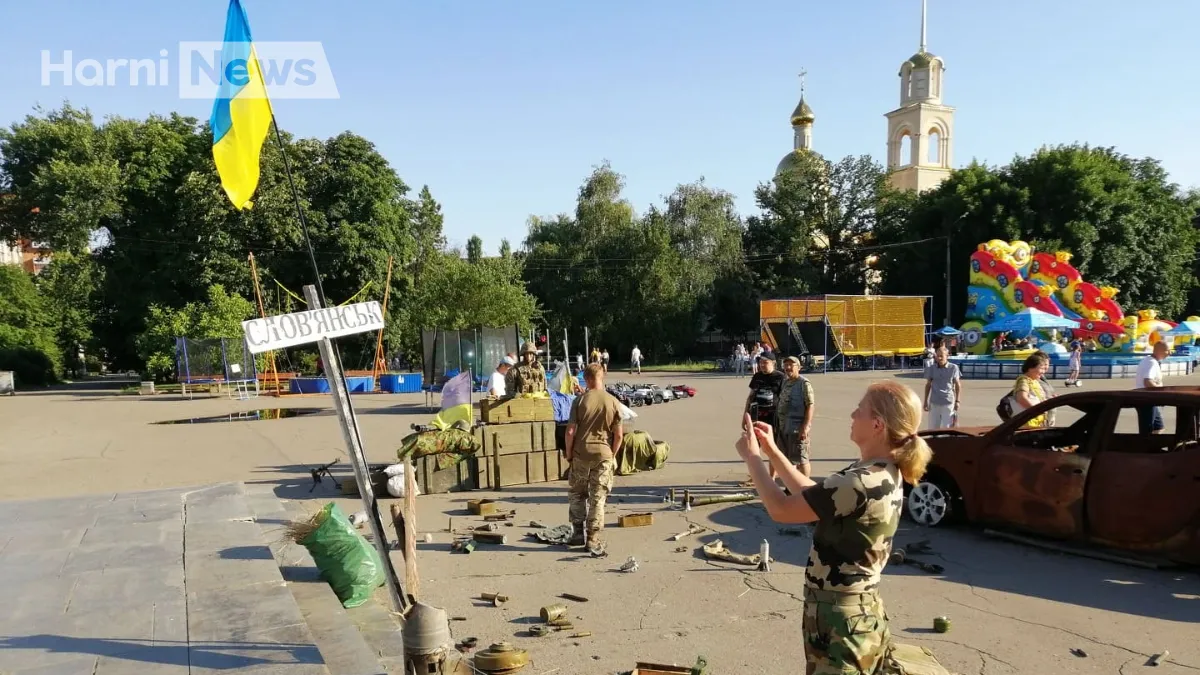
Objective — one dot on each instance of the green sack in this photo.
(348, 562)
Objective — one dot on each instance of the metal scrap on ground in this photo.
(717, 551)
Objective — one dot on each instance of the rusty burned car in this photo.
(1090, 478)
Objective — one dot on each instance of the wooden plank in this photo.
(511, 410)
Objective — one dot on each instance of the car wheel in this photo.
(929, 504)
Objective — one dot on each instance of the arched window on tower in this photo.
(905, 158)
(934, 156)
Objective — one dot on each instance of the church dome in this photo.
(791, 160)
(803, 114)
(922, 59)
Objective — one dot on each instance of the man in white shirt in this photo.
(497, 386)
(943, 389)
(635, 360)
(1149, 376)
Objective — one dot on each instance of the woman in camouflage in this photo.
(856, 511)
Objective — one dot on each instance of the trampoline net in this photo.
(448, 352)
(213, 360)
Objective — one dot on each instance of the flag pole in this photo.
(287, 169)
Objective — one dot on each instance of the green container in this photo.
(941, 624)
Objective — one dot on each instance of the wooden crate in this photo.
(510, 410)
(511, 439)
(472, 473)
(530, 467)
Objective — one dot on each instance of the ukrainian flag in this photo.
(241, 116)
(456, 402)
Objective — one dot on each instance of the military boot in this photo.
(577, 537)
(595, 545)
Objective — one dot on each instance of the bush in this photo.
(31, 354)
(305, 362)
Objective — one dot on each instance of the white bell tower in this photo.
(921, 131)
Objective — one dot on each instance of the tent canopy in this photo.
(1027, 320)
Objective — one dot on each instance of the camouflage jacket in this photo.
(450, 445)
(858, 510)
(528, 379)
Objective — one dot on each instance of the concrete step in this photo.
(240, 613)
(359, 641)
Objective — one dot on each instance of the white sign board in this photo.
(289, 330)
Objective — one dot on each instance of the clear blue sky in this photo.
(504, 107)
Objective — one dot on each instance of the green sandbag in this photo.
(346, 560)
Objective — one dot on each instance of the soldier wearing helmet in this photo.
(529, 377)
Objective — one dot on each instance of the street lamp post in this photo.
(949, 230)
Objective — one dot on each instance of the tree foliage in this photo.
(220, 315)
(634, 279)
(1122, 220)
(27, 339)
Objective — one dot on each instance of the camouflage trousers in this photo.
(844, 633)
(590, 481)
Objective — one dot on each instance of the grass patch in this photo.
(682, 367)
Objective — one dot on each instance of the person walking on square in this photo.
(1076, 364)
(594, 435)
(635, 360)
(943, 390)
(1149, 376)
(857, 512)
(604, 359)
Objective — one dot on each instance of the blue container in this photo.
(320, 385)
(398, 383)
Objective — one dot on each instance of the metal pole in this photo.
(353, 438)
(947, 277)
(567, 349)
(587, 345)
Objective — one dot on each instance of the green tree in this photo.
(817, 218)
(1125, 224)
(474, 249)
(457, 294)
(220, 315)
(505, 249)
(68, 286)
(27, 340)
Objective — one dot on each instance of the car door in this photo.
(1142, 488)
(1034, 479)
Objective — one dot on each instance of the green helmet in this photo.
(528, 348)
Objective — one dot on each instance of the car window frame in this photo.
(1005, 433)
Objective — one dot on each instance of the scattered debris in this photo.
(358, 519)
(501, 658)
(598, 552)
(428, 538)
(801, 531)
(722, 499)
(458, 618)
(539, 630)
(495, 598)
(659, 669)
(1158, 658)
(467, 644)
(482, 507)
(630, 565)
(901, 557)
(669, 498)
(501, 516)
(581, 634)
(941, 624)
(560, 623)
(491, 537)
(764, 556)
(560, 534)
(552, 612)
(717, 551)
(572, 596)
(1079, 652)
(681, 549)
(489, 527)
(636, 520)
(687, 500)
(692, 529)
(463, 546)
(536, 525)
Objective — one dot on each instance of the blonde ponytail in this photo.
(899, 408)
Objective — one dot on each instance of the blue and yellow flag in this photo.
(241, 116)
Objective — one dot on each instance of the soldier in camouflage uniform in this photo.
(856, 511)
(530, 376)
(594, 435)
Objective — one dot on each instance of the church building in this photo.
(920, 132)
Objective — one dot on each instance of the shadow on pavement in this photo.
(209, 655)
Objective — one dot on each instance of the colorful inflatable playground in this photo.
(1008, 278)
